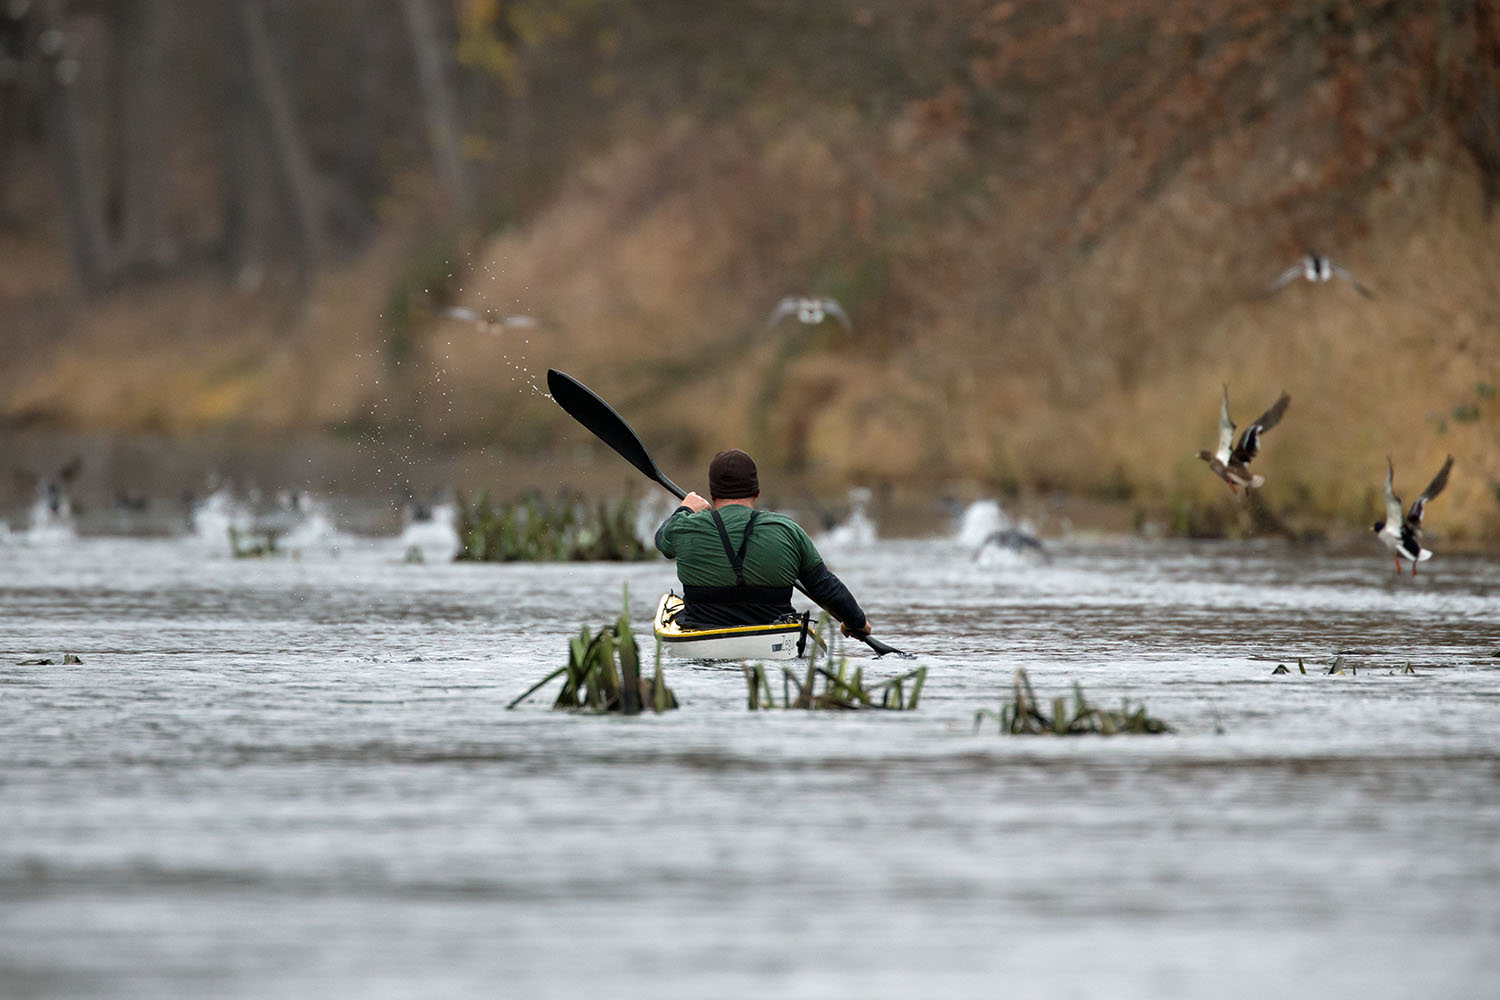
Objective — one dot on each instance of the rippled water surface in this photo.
(297, 778)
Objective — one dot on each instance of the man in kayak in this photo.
(737, 564)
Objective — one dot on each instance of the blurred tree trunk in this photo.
(77, 165)
(143, 134)
(369, 79)
(291, 168)
(239, 153)
(439, 106)
(13, 42)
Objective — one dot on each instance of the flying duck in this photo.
(1231, 464)
(1403, 535)
(810, 311)
(486, 323)
(1317, 268)
(1017, 540)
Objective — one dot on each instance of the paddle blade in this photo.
(881, 649)
(584, 406)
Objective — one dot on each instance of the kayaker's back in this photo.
(778, 550)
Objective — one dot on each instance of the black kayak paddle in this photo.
(585, 406)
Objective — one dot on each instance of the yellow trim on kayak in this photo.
(707, 633)
(687, 635)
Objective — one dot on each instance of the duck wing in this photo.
(1285, 276)
(786, 307)
(1226, 430)
(1249, 445)
(1392, 501)
(1439, 481)
(1342, 273)
(832, 308)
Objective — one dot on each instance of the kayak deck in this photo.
(776, 641)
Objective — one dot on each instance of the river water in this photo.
(297, 777)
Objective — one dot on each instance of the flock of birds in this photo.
(809, 310)
(1400, 532)
(813, 310)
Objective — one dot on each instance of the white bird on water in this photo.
(1318, 269)
(810, 311)
(489, 325)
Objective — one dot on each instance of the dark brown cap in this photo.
(731, 476)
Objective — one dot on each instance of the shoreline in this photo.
(145, 485)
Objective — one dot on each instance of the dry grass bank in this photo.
(653, 276)
(1102, 378)
(1050, 234)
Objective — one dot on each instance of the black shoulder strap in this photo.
(739, 560)
(736, 559)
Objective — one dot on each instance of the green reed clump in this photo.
(603, 674)
(1023, 715)
(249, 545)
(531, 530)
(842, 689)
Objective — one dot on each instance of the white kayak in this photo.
(778, 641)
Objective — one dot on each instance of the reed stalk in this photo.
(841, 689)
(1023, 715)
(531, 530)
(602, 674)
(1342, 668)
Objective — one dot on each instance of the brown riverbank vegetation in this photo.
(1051, 228)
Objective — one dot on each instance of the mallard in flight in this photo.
(1014, 540)
(1317, 268)
(486, 323)
(1403, 535)
(810, 311)
(1231, 464)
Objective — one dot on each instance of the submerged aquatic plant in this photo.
(531, 530)
(1338, 668)
(1023, 715)
(603, 674)
(842, 689)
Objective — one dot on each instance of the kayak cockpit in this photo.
(786, 639)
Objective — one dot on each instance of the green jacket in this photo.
(777, 554)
